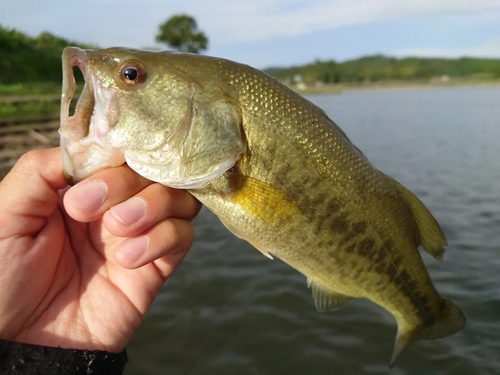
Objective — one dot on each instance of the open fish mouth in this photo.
(83, 134)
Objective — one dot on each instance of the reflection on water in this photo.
(230, 310)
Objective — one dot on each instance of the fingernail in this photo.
(131, 250)
(130, 211)
(90, 196)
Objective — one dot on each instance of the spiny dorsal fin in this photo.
(432, 238)
(326, 300)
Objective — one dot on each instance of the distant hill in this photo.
(27, 59)
(382, 68)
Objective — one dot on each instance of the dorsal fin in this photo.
(432, 238)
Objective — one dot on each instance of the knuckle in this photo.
(180, 235)
(174, 235)
(30, 158)
(28, 163)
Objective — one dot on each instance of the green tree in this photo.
(181, 33)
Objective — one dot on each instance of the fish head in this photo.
(142, 108)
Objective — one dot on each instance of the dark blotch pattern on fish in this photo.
(358, 228)
(365, 248)
(339, 223)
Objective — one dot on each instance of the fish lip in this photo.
(83, 140)
(69, 129)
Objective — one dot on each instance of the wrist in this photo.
(20, 358)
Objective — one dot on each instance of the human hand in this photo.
(80, 267)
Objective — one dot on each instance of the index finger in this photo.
(89, 199)
(150, 206)
(31, 191)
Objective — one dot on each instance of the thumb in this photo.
(30, 192)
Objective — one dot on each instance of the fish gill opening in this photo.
(80, 82)
(85, 101)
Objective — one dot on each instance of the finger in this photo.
(31, 190)
(166, 243)
(90, 198)
(153, 204)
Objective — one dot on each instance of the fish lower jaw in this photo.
(82, 159)
(174, 173)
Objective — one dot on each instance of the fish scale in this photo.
(275, 169)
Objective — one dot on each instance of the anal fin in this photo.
(324, 299)
(403, 339)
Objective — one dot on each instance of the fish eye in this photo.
(132, 73)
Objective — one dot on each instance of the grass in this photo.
(30, 88)
(16, 111)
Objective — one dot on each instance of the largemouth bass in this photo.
(271, 165)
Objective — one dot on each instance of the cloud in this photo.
(489, 49)
(135, 22)
(259, 20)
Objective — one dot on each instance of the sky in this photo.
(265, 33)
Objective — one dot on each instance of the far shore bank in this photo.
(329, 89)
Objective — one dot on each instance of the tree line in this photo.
(31, 59)
(383, 68)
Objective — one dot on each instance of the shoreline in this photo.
(391, 86)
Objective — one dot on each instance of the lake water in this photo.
(230, 310)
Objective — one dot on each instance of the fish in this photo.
(272, 166)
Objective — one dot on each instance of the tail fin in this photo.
(450, 321)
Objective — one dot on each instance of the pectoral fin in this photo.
(268, 204)
(263, 202)
(326, 300)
